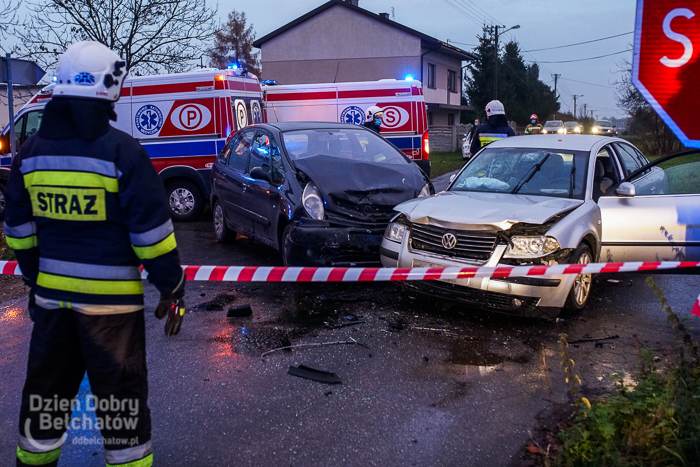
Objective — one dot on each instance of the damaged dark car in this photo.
(320, 193)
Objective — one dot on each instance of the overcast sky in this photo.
(543, 24)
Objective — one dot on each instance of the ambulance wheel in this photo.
(221, 229)
(185, 200)
(2, 202)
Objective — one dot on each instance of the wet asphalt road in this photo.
(426, 384)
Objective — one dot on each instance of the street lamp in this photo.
(495, 61)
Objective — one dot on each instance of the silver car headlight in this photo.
(531, 247)
(313, 202)
(596, 129)
(395, 232)
(561, 131)
(425, 191)
(544, 131)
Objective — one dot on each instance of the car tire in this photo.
(221, 230)
(581, 288)
(285, 245)
(2, 202)
(184, 200)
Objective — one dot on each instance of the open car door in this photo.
(654, 213)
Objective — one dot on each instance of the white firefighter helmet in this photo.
(89, 69)
(495, 108)
(374, 111)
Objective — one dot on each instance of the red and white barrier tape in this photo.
(312, 274)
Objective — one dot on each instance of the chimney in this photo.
(384, 15)
(353, 2)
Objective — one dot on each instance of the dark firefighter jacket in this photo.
(85, 208)
(494, 129)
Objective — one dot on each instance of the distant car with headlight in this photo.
(603, 128)
(545, 200)
(573, 128)
(320, 193)
(554, 126)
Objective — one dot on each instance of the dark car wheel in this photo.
(185, 200)
(2, 202)
(285, 246)
(581, 288)
(221, 229)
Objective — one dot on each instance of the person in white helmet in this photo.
(85, 209)
(373, 120)
(495, 128)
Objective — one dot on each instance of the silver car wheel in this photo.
(181, 201)
(582, 282)
(219, 221)
(2, 203)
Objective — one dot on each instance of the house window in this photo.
(430, 118)
(450, 119)
(431, 76)
(451, 81)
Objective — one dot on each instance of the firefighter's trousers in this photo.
(112, 349)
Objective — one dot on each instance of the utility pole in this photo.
(556, 76)
(495, 58)
(575, 97)
(585, 113)
(495, 64)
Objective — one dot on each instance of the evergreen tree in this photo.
(519, 86)
(233, 43)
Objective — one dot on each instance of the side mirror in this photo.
(452, 177)
(626, 189)
(259, 173)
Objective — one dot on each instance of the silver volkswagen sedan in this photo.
(548, 199)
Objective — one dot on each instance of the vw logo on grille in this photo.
(449, 241)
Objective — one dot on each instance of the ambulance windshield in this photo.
(359, 145)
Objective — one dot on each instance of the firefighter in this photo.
(495, 128)
(86, 208)
(535, 127)
(373, 121)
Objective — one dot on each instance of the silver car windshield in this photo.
(360, 145)
(542, 172)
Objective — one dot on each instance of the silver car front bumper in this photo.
(516, 295)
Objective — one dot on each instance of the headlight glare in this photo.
(425, 191)
(395, 232)
(596, 129)
(532, 247)
(561, 131)
(313, 202)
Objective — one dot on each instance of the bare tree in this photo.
(653, 136)
(151, 35)
(233, 43)
(8, 18)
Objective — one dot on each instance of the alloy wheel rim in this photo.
(218, 221)
(181, 201)
(582, 282)
(2, 201)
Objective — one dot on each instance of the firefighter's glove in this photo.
(31, 300)
(172, 305)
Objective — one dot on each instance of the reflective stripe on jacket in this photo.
(84, 215)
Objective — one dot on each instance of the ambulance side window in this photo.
(238, 159)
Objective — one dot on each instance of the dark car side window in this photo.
(240, 152)
(260, 152)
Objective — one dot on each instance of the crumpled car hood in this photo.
(483, 211)
(363, 182)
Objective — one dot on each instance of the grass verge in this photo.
(6, 253)
(444, 162)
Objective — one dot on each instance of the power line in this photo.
(468, 15)
(590, 58)
(463, 43)
(590, 84)
(580, 43)
(473, 7)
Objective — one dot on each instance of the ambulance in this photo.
(181, 119)
(404, 124)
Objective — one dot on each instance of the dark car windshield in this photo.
(603, 123)
(354, 144)
(543, 172)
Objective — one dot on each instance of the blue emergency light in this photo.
(409, 78)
